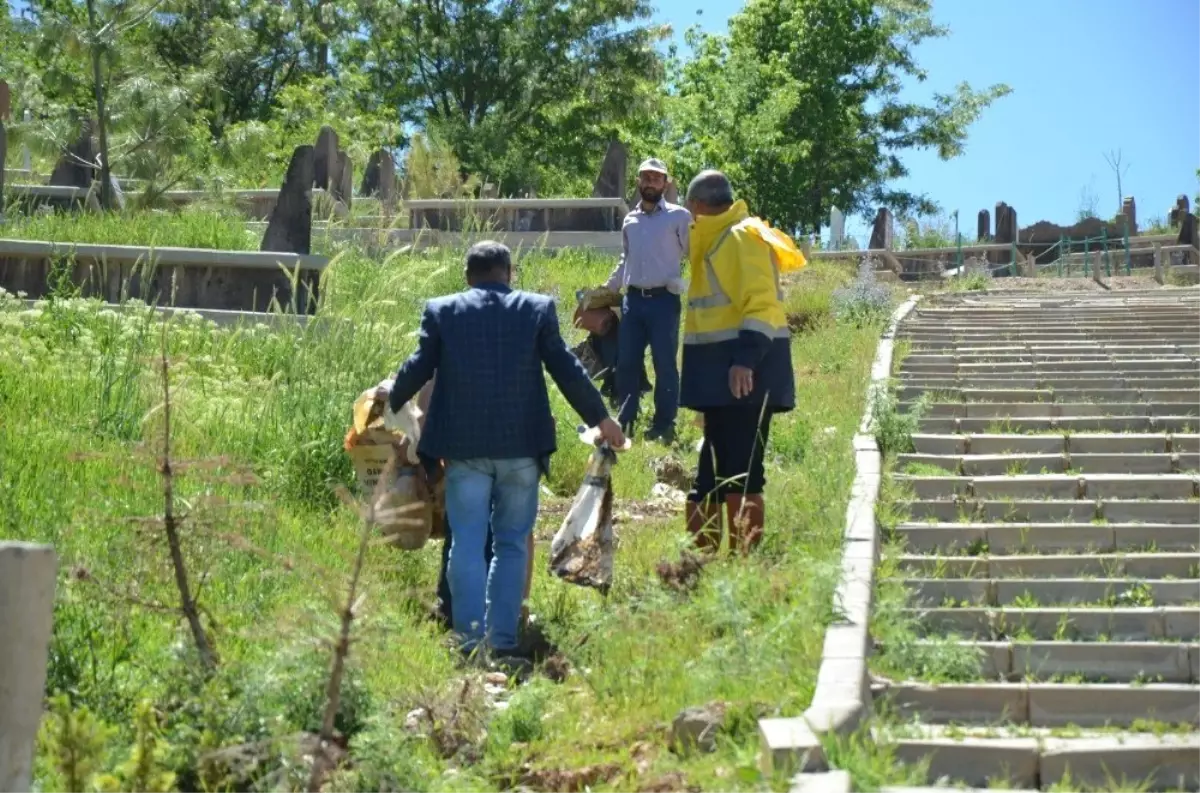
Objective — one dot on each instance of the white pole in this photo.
(27, 574)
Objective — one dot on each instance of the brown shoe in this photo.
(704, 524)
(745, 514)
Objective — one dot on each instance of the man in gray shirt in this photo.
(655, 243)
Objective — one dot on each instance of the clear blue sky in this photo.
(1087, 76)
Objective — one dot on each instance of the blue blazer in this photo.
(487, 346)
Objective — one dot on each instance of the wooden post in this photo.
(26, 615)
(1159, 275)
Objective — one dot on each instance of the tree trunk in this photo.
(106, 197)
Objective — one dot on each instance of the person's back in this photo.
(490, 399)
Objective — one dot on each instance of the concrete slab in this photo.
(1140, 486)
(986, 763)
(999, 464)
(1122, 463)
(1113, 704)
(980, 702)
(1156, 536)
(1103, 661)
(1094, 443)
(1142, 762)
(1150, 511)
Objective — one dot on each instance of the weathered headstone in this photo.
(5, 101)
(27, 579)
(614, 171)
(76, 167)
(325, 159)
(1187, 231)
(489, 191)
(837, 229)
(290, 228)
(881, 231)
(379, 179)
(1006, 223)
(671, 194)
(1129, 210)
(343, 184)
(1159, 270)
(1182, 207)
(983, 226)
(3, 156)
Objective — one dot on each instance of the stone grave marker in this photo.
(983, 226)
(5, 101)
(837, 229)
(614, 172)
(1129, 210)
(76, 167)
(1006, 223)
(881, 231)
(290, 228)
(325, 159)
(379, 178)
(1182, 207)
(343, 185)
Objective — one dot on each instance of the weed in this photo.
(865, 302)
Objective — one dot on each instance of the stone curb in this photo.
(163, 257)
(843, 692)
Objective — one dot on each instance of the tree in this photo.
(518, 88)
(801, 104)
(1113, 158)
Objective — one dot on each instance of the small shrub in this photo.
(893, 430)
(864, 302)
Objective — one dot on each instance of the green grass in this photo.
(191, 228)
(79, 421)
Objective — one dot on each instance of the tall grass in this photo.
(190, 228)
(77, 399)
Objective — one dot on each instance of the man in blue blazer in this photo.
(489, 419)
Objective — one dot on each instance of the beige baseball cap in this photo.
(654, 165)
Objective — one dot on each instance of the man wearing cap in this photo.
(654, 246)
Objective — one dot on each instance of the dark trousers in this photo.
(649, 320)
(443, 588)
(731, 457)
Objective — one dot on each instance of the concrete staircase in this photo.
(1053, 527)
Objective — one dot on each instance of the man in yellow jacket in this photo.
(737, 361)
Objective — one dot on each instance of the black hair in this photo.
(488, 257)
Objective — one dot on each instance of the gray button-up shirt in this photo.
(654, 245)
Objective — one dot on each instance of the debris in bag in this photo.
(382, 446)
(582, 550)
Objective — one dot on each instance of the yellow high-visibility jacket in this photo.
(735, 316)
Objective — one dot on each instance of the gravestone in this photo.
(983, 226)
(489, 191)
(1129, 210)
(881, 231)
(1006, 224)
(325, 159)
(343, 183)
(76, 167)
(837, 229)
(614, 172)
(5, 101)
(379, 179)
(671, 194)
(1187, 231)
(1182, 207)
(290, 228)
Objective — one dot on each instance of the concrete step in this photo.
(1051, 443)
(1054, 511)
(1078, 367)
(1098, 662)
(1048, 409)
(998, 464)
(1044, 760)
(1046, 704)
(1021, 539)
(1053, 591)
(1110, 565)
(1088, 424)
(1186, 392)
(1054, 486)
(1081, 623)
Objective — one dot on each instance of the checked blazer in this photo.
(488, 346)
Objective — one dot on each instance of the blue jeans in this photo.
(654, 322)
(503, 493)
